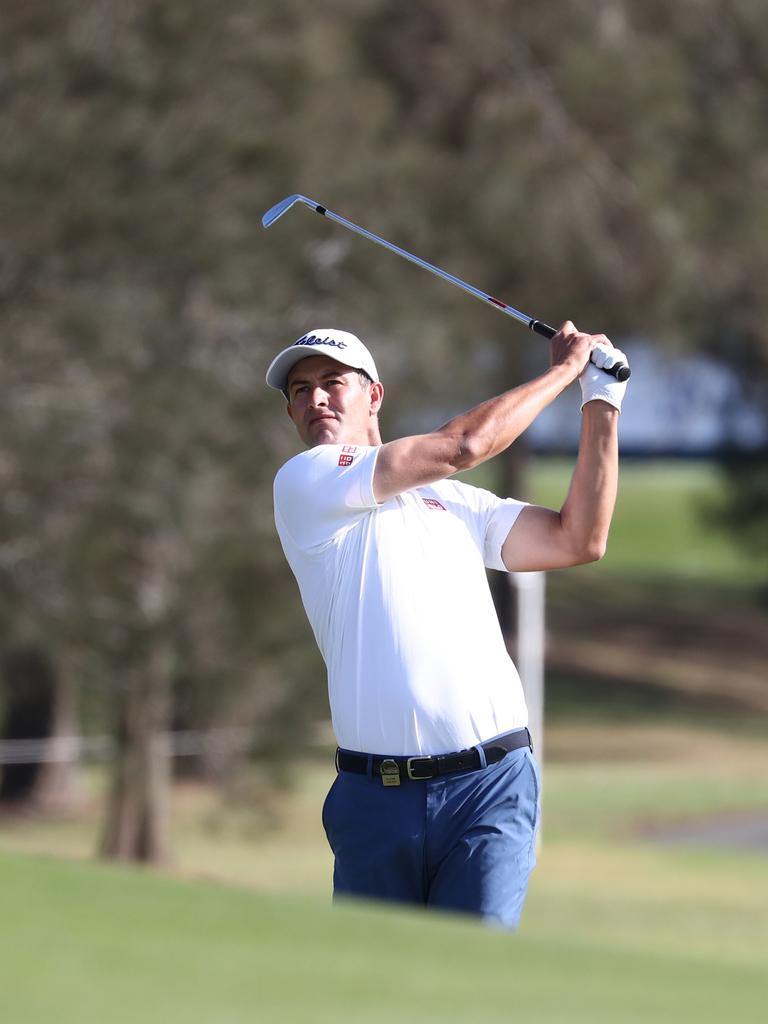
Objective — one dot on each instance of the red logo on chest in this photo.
(433, 503)
(347, 455)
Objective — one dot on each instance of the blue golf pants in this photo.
(463, 842)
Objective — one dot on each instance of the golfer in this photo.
(436, 797)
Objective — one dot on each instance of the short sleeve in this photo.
(323, 491)
(500, 523)
(488, 517)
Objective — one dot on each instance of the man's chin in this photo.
(322, 435)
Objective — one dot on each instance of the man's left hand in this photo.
(596, 385)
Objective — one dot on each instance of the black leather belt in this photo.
(418, 769)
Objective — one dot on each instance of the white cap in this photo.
(342, 346)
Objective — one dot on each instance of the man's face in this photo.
(328, 402)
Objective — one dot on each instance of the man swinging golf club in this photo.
(436, 798)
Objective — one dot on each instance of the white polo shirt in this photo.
(397, 597)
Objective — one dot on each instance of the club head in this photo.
(283, 206)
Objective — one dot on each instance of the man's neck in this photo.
(372, 437)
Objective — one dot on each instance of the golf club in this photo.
(619, 370)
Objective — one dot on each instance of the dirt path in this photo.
(735, 831)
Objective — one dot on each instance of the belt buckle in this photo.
(418, 778)
(390, 772)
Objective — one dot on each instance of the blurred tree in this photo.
(136, 454)
(722, 173)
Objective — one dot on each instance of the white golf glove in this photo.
(598, 385)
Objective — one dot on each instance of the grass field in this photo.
(617, 928)
(89, 944)
(614, 931)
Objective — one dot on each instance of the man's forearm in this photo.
(492, 426)
(588, 509)
(482, 432)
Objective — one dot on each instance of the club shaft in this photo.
(477, 292)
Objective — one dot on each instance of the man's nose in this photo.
(318, 397)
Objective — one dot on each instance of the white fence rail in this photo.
(102, 748)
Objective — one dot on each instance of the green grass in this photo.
(617, 928)
(91, 943)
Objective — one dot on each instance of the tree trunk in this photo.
(58, 788)
(137, 824)
(29, 685)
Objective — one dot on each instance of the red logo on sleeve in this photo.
(433, 503)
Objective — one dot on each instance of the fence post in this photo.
(530, 646)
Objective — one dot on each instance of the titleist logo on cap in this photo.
(313, 339)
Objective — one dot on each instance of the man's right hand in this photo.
(572, 348)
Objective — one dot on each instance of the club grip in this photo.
(619, 370)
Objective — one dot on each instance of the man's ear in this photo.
(289, 411)
(376, 391)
